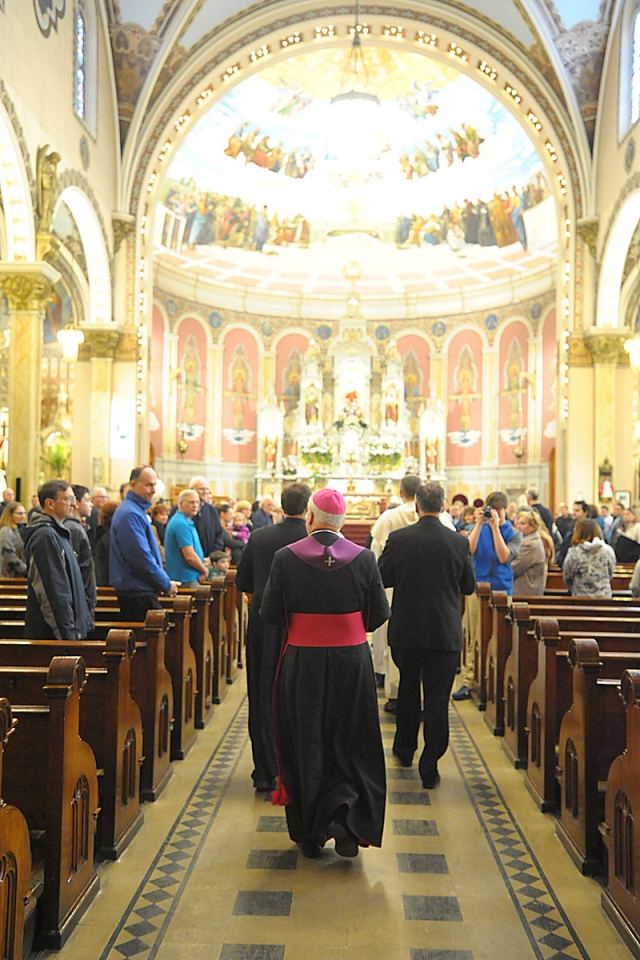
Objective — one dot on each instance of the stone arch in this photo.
(95, 252)
(613, 260)
(15, 187)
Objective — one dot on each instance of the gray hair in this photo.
(330, 519)
(430, 498)
(187, 493)
(195, 480)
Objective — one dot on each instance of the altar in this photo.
(350, 427)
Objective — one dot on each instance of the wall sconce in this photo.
(70, 338)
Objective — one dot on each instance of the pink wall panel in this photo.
(464, 390)
(239, 397)
(191, 395)
(156, 386)
(513, 391)
(415, 353)
(549, 386)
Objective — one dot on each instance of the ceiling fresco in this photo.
(578, 28)
(306, 163)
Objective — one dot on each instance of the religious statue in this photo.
(47, 181)
(311, 406)
(391, 405)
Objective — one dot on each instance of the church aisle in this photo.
(469, 871)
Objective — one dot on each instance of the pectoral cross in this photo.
(329, 561)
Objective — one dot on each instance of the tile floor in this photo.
(469, 871)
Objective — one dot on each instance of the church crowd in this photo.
(329, 620)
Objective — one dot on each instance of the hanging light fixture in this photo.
(70, 338)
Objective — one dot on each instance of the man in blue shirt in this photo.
(135, 566)
(494, 543)
(184, 556)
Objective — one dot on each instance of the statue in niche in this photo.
(391, 405)
(47, 181)
(270, 454)
(312, 406)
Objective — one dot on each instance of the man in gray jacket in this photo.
(56, 605)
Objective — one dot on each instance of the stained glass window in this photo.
(79, 85)
(635, 70)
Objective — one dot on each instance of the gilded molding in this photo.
(579, 351)
(101, 343)
(606, 347)
(27, 291)
(123, 228)
(588, 232)
(127, 348)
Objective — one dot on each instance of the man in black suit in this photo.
(428, 567)
(264, 640)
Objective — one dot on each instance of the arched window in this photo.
(79, 64)
(635, 69)
(85, 63)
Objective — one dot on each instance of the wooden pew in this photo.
(202, 645)
(63, 801)
(17, 897)
(592, 734)
(550, 697)
(498, 650)
(620, 582)
(521, 663)
(620, 832)
(218, 630)
(231, 621)
(110, 721)
(152, 689)
(481, 644)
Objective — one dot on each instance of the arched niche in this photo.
(613, 260)
(16, 195)
(95, 252)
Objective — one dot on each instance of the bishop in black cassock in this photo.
(330, 757)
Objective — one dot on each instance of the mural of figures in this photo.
(514, 390)
(312, 405)
(289, 358)
(191, 387)
(549, 386)
(191, 393)
(415, 372)
(239, 420)
(465, 399)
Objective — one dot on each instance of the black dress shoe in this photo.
(265, 786)
(379, 681)
(346, 843)
(310, 850)
(403, 759)
(432, 781)
(390, 706)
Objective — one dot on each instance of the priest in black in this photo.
(264, 640)
(331, 770)
(428, 567)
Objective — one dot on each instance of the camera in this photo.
(486, 513)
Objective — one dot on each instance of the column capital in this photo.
(28, 286)
(588, 230)
(123, 227)
(607, 347)
(107, 343)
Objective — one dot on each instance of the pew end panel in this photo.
(620, 834)
(498, 650)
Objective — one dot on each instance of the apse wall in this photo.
(495, 371)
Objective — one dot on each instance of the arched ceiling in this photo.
(409, 169)
(151, 39)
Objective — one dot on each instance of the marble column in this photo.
(28, 288)
(605, 349)
(100, 347)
